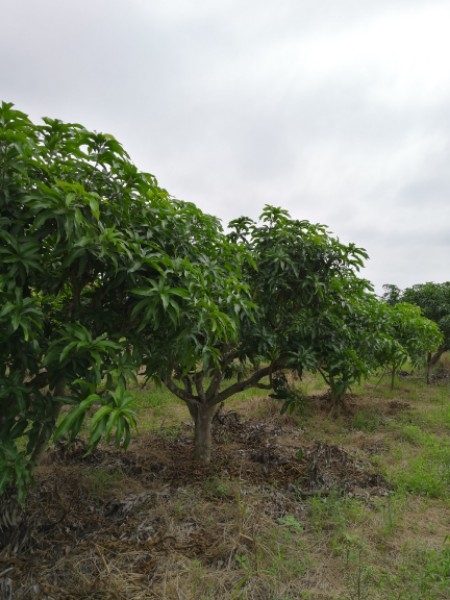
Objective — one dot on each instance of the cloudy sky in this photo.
(337, 110)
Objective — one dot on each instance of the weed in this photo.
(291, 522)
(359, 578)
(391, 509)
(152, 396)
(170, 431)
(426, 477)
(427, 472)
(420, 573)
(218, 488)
(103, 484)
(415, 435)
(438, 415)
(334, 511)
(367, 420)
(349, 545)
(197, 572)
(280, 553)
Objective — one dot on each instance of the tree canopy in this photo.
(302, 285)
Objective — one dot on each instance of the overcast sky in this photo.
(337, 110)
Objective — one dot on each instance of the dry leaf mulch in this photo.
(113, 524)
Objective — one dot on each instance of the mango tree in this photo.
(434, 301)
(189, 340)
(83, 236)
(406, 336)
(348, 335)
(291, 273)
(363, 333)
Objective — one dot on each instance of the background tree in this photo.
(316, 296)
(349, 334)
(408, 336)
(434, 300)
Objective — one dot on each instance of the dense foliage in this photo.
(307, 312)
(308, 293)
(408, 336)
(94, 269)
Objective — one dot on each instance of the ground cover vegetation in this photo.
(299, 505)
(105, 278)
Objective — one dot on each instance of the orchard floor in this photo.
(290, 507)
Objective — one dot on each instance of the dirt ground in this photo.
(120, 524)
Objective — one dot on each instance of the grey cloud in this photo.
(233, 105)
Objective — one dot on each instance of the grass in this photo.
(368, 420)
(423, 463)
(227, 534)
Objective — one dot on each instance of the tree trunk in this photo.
(435, 358)
(46, 432)
(432, 360)
(429, 365)
(393, 374)
(202, 432)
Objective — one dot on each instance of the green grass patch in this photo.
(423, 463)
(421, 573)
(368, 420)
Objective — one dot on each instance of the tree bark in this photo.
(429, 365)
(432, 360)
(203, 432)
(435, 358)
(393, 374)
(45, 433)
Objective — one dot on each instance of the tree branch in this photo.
(214, 386)
(180, 392)
(198, 380)
(240, 386)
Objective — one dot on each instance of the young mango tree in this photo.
(348, 335)
(434, 301)
(189, 344)
(287, 272)
(363, 333)
(411, 337)
(317, 298)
